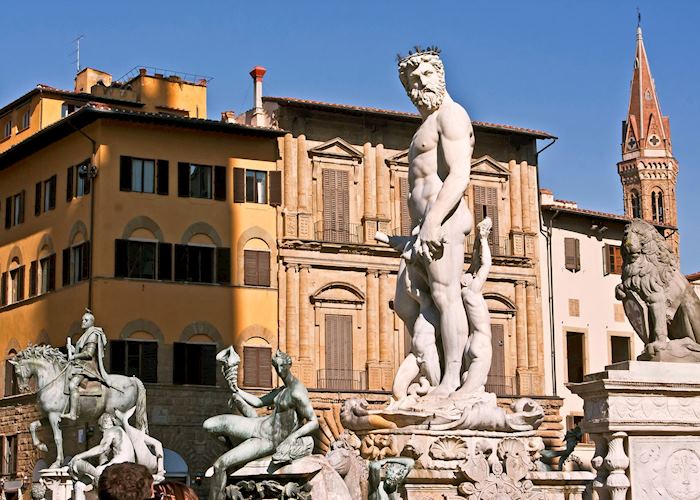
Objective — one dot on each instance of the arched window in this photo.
(11, 387)
(256, 267)
(657, 206)
(136, 356)
(636, 204)
(12, 283)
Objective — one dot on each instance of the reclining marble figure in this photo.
(285, 433)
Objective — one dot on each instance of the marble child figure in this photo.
(438, 175)
(397, 468)
(86, 361)
(285, 432)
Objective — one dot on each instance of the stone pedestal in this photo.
(60, 484)
(645, 420)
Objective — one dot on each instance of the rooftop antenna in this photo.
(77, 52)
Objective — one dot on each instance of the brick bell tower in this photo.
(648, 170)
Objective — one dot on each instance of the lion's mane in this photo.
(649, 270)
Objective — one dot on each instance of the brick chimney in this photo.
(257, 114)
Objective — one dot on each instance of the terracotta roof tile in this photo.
(364, 109)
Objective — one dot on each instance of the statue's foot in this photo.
(443, 391)
(56, 465)
(70, 416)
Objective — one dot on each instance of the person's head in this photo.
(125, 481)
(106, 421)
(423, 76)
(282, 362)
(172, 490)
(395, 473)
(88, 319)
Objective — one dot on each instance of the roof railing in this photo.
(165, 73)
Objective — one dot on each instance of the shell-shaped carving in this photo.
(449, 448)
(511, 447)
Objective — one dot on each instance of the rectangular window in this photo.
(9, 456)
(257, 366)
(25, 120)
(572, 254)
(405, 215)
(256, 268)
(486, 205)
(67, 109)
(137, 358)
(255, 186)
(619, 349)
(575, 356)
(11, 387)
(50, 194)
(336, 207)
(7, 129)
(47, 274)
(194, 363)
(142, 259)
(76, 263)
(143, 175)
(78, 180)
(612, 255)
(16, 285)
(200, 181)
(14, 210)
(17, 209)
(194, 263)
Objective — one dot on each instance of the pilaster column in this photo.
(372, 316)
(306, 327)
(304, 186)
(532, 340)
(281, 308)
(292, 311)
(385, 314)
(521, 325)
(383, 210)
(290, 177)
(525, 196)
(532, 198)
(516, 207)
(370, 183)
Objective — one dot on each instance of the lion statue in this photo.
(659, 302)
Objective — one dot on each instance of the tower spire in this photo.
(648, 169)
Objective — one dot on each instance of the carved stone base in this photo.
(309, 477)
(472, 464)
(674, 351)
(60, 485)
(645, 420)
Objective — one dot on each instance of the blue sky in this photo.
(559, 66)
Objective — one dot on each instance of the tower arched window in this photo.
(657, 206)
(636, 203)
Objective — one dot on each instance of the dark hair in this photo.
(125, 481)
(172, 490)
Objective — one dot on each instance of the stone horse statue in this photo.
(50, 367)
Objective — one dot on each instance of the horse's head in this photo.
(41, 361)
(23, 372)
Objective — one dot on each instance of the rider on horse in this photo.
(85, 361)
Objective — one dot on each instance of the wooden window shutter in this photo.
(405, 214)
(52, 192)
(125, 173)
(181, 262)
(65, 278)
(33, 275)
(239, 185)
(263, 268)
(3, 289)
(571, 254)
(88, 180)
(492, 211)
(121, 260)
(498, 368)
(220, 183)
(117, 356)
(209, 364)
(69, 183)
(149, 362)
(85, 268)
(8, 212)
(179, 363)
(37, 198)
(165, 261)
(20, 283)
(257, 366)
(223, 265)
(183, 180)
(52, 273)
(162, 177)
(339, 349)
(22, 199)
(343, 202)
(617, 259)
(329, 202)
(606, 259)
(250, 267)
(275, 188)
